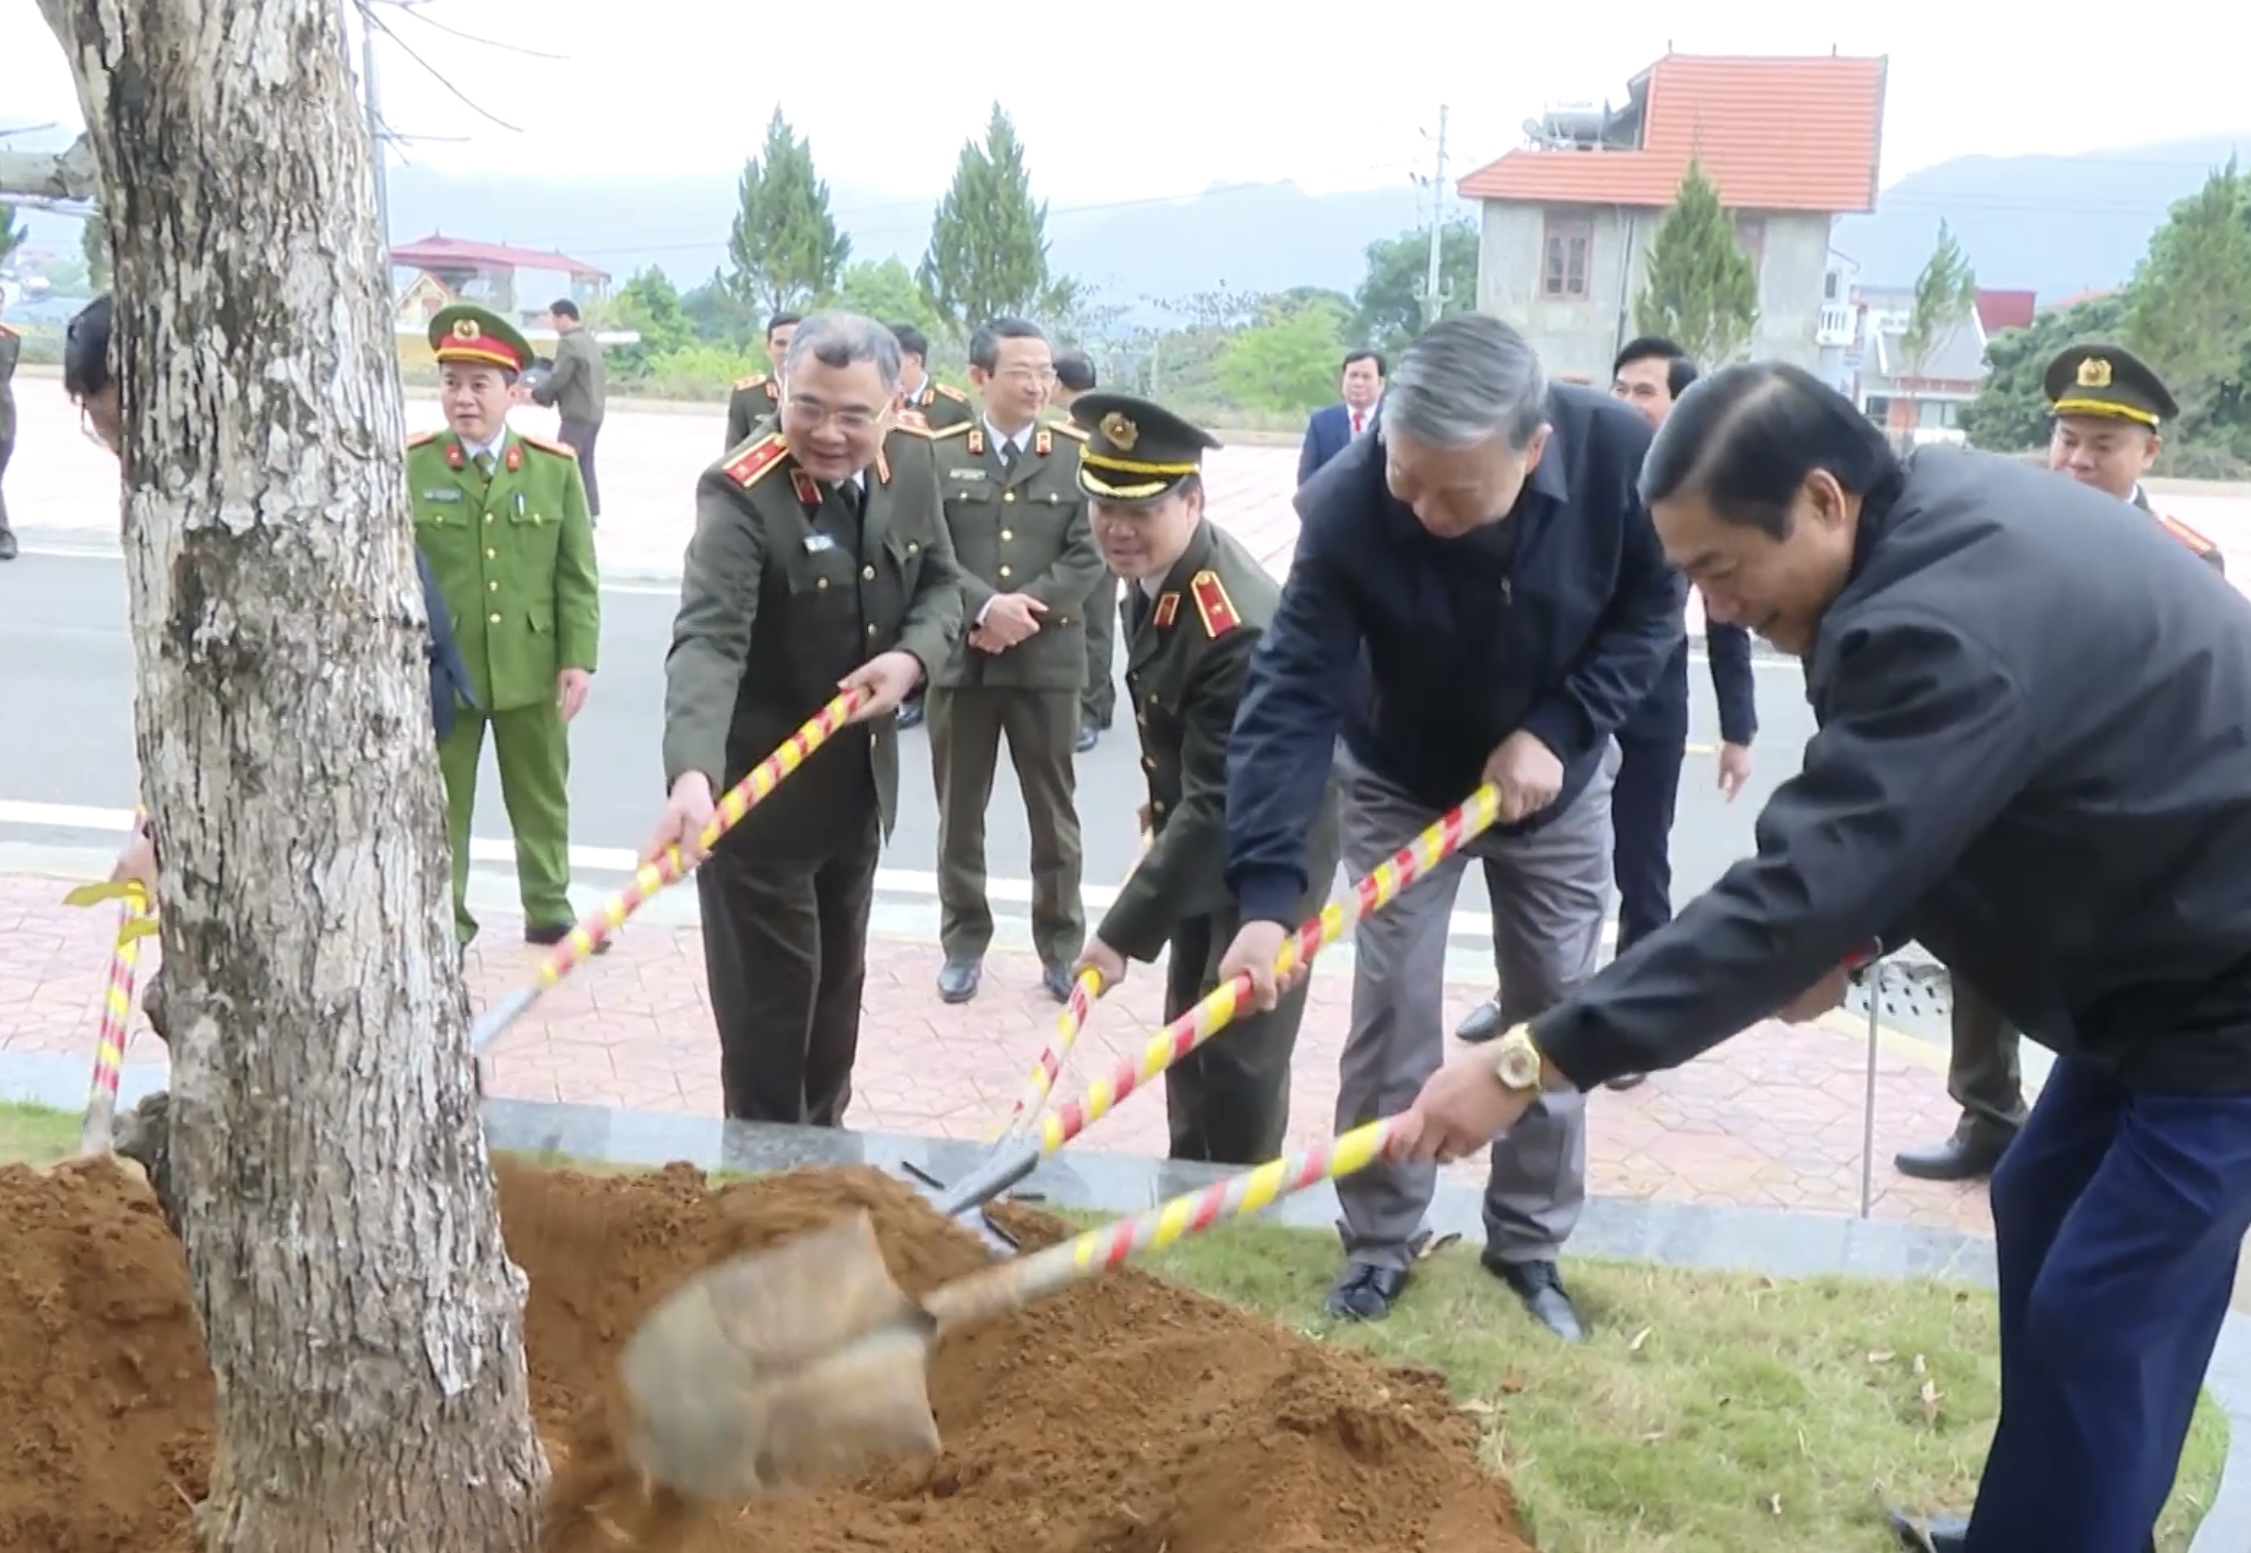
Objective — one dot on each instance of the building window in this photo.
(1566, 271)
(1750, 236)
(1829, 284)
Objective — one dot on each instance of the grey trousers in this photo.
(1552, 891)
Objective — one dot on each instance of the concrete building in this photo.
(1567, 219)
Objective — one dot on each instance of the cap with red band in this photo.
(469, 335)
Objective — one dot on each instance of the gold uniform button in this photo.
(867, 574)
(1148, 763)
(871, 630)
(913, 548)
(493, 586)
(1008, 496)
(1156, 808)
(489, 518)
(492, 555)
(495, 619)
(1006, 535)
(820, 584)
(1004, 571)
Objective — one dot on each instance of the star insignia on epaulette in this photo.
(1213, 605)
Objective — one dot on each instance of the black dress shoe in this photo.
(1089, 737)
(958, 979)
(910, 715)
(1057, 980)
(7, 544)
(1625, 1081)
(1928, 1533)
(548, 934)
(1540, 1287)
(1366, 1292)
(1969, 1155)
(1483, 1023)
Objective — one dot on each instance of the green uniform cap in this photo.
(1135, 451)
(2108, 381)
(478, 336)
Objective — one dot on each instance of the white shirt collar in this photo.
(1019, 442)
(472, 449)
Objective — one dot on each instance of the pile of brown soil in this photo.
(1123, 1417)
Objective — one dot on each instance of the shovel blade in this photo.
(781, 1370)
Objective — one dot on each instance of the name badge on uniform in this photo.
(442, 493)
(819, 544)
(967, 474)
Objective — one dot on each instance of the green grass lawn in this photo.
(1707, 1413)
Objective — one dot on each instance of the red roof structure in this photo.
(437, 252)
(1787, 134)
(1998, 310)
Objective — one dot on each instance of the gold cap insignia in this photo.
(2094, 372)
(466, 329)
(1119, 432)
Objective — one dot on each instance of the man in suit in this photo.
(578, 387)
(1650, 374)
(935, 407)
(502, 518)
(1197, 607)
(820, 558)
(758, 397)
(1332, 429)
(1098, 702)
(1028, 563)
(2108, 409)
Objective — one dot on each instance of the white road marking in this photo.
(894, 882)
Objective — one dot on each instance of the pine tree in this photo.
(2188, 306)
(1699, 288)
(1945, 292)
(988, 241)
(785, 247)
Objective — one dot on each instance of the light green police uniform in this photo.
(507, 536)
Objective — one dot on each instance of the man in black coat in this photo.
(2032, 756)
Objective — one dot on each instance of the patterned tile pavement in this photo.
(1773, 1119)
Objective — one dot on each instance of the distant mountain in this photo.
(2052, 224)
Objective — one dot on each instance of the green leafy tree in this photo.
(13, 233)
(2188, 309)
(1699, 288)
(1389, 303)
(1287, 360)
(720, 317)
(988, 241)
(93, 242)
(649, 304)
(1945, 294)
(2010, 412)
(785, 248)
(885, 290)
(1079, 314)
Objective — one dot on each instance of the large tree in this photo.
(785, 248)
(338, 1211)
(1391, 295)
(1945, 294)
(1699, 288)
(988, 241)
(2188, 309)
(2010, 412)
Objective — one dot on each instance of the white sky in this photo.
(1260, 90)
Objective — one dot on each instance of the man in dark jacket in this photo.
(2031, 757)
(1477, 596)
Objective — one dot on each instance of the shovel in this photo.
(787, 1369)
(136, 920)
(588, 937)
(1020, 1153)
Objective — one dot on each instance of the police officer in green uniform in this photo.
(934, 407)
(756, 398)
(1028, 563)
(502, 520)
(820, 559)
(1196, 604)
(2108, 408)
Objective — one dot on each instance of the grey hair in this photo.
(841, 339)
(1465, 380)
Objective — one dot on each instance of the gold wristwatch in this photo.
(1516, 1061)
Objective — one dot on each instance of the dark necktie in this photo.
(1008, 457)
(854, 499)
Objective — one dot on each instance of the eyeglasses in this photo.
(812, 415)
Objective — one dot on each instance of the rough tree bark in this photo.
(337, 1204)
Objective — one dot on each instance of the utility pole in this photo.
(375, 134)
(1434, 296)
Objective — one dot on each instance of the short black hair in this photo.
(1383, 367)
(984, 345)
(912, 341)
(86, 349)
(1679, 370)
(1745, 438)
(565, 308)
(1075, 371)
(782, 321)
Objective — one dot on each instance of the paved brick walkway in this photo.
(1771, 1120)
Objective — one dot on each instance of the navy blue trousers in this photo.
(1641, 830)
(2117, 1221)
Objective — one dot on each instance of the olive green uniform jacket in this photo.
(754, 399)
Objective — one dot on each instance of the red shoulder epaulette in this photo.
(746, 466)
(955, 394)
(1213, 605)
(421, 438)
(563, 449)
(2186, 535)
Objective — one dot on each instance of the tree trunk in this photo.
(364, 1322)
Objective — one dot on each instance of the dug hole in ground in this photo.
(1125, 1416)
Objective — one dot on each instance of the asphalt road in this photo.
(66, 739)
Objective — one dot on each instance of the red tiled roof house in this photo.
(1791, 144)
